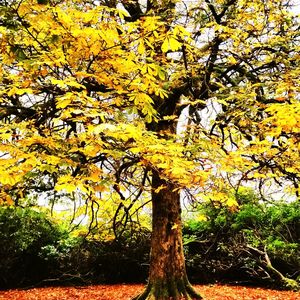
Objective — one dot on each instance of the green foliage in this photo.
(24, 233)
(249, 216)
(219, 244)
(34, 249)
(216, 247)
(274, 226)
(24, 229)
(60, 250)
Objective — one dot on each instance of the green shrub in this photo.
(218, 248)
(34, 250)
(24, 233)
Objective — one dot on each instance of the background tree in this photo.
(91, 96)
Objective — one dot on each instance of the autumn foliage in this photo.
(124, 292)
(91, 95)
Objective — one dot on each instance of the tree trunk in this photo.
(167, 278)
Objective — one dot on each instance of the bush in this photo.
(119, 260)
(36, 251)
(24, 233)
(229, 244)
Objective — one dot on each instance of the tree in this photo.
(93, 94)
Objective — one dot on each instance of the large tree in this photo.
(134, 100)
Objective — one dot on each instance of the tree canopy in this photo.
(84, 87)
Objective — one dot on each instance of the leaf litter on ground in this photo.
(127, 291)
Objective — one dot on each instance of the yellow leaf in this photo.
(156, 191)
(174, 44)
(231, 202)
(68, 187)
(201, 218)
(63, 102)
(7, 179)
(175, 226)
(141, 48)
(170, 43)
(95, 175)
(165, 46)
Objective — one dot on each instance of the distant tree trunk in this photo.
(167, 278)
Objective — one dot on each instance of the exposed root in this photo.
(169, 290)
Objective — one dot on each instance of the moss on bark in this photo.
(170, 289)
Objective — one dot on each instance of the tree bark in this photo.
(167, 278)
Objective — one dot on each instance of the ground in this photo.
(125, 292)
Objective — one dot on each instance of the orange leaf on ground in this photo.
(127, 291)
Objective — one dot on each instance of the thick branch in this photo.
(134, 9)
